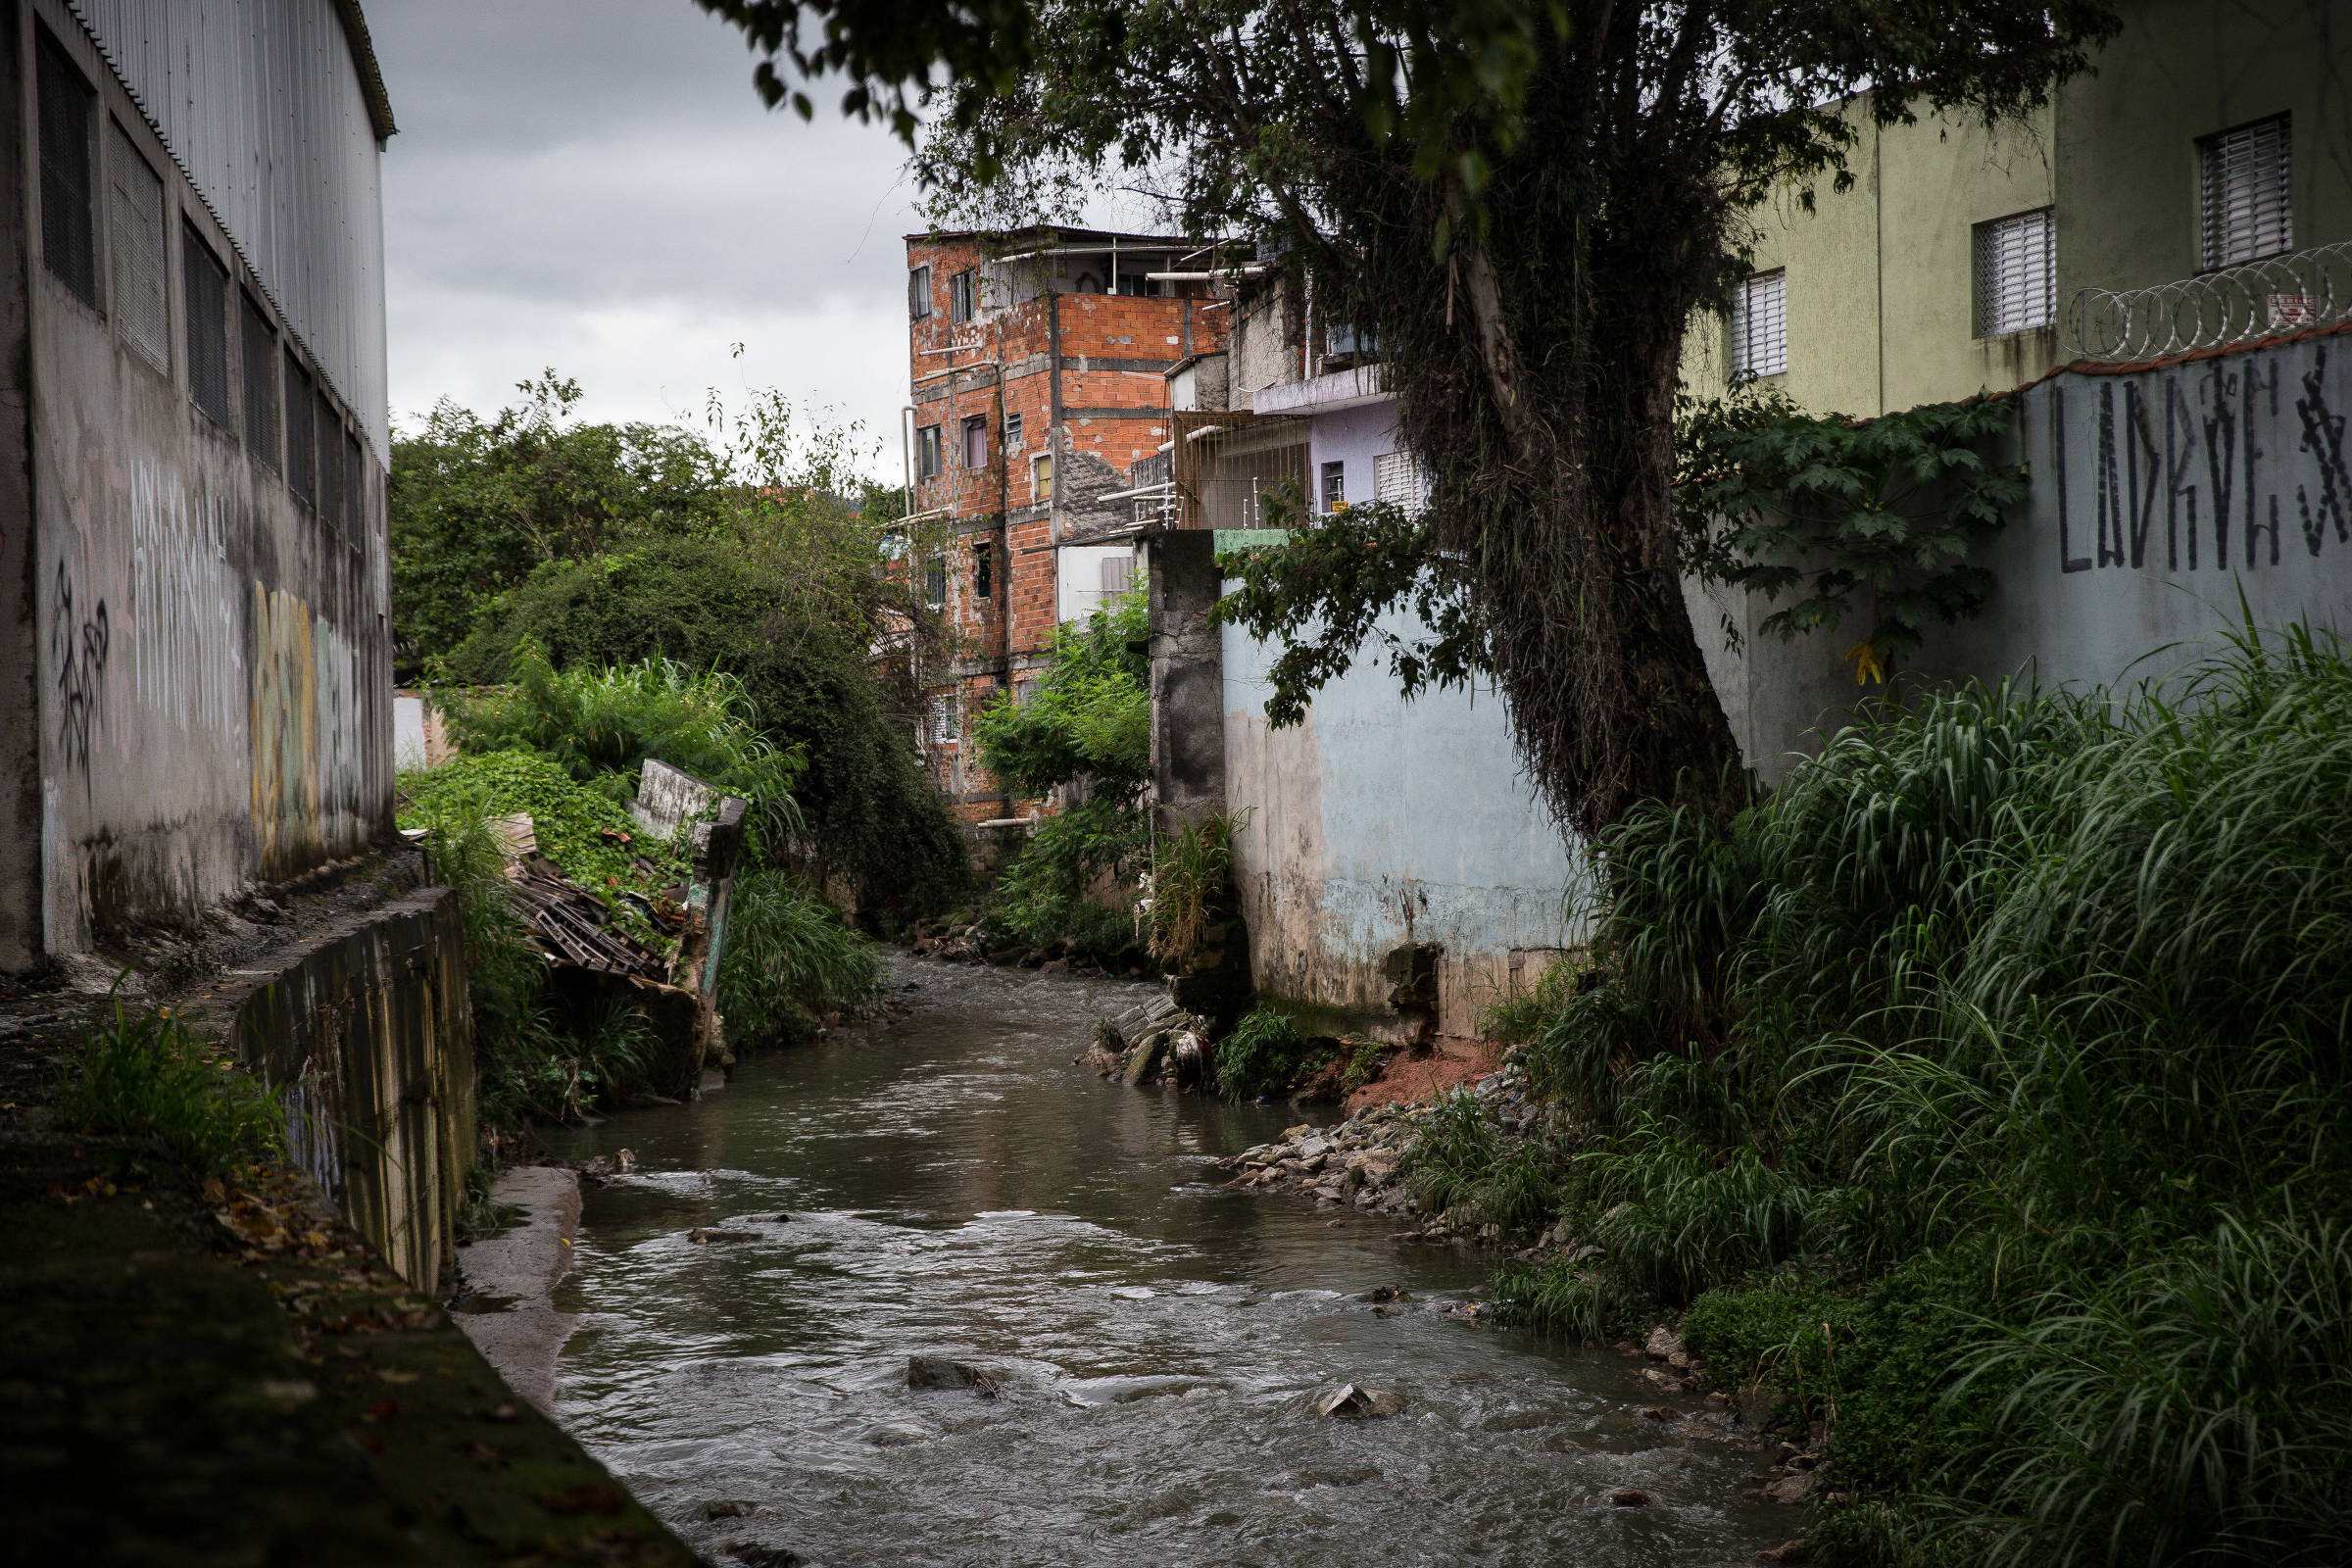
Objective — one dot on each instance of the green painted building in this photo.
(2211, 133)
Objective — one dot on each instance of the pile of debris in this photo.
(1355, 1162)
(1155, 1042)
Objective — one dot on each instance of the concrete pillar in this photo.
(20, 938)
(1188, 678)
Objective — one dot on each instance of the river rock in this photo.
(940, 1372)
(729, 1509)
(1630, 1497)
(1664, 1383)
(896, 1436)
(1664, 1346)
(1790, 1487)
(1354, 1402)
(755, 1555)
(703, 1235)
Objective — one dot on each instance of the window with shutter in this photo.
(206, 284)
(259, 348)
(2017, 274)
(2248, 209)
(302, 473)
(918, 294)
(1396, 480)
(69, 218)
(141, 307)
(1118, 574)
(1761, 325)
(1040, 481)
(1012, 432)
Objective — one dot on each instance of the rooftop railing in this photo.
(2251, 303)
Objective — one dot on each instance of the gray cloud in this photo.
(593, 185)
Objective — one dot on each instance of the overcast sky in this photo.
(593, 185)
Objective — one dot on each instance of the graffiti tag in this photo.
(77, 649)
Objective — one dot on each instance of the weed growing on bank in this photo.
(1262, 1055)
(1983, 1091)
(146, 1076)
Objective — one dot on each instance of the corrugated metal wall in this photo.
(260, 103)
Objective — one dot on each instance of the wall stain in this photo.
(77, 652)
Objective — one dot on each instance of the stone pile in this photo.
(1355, 1162)
(1152, 1041)
(976, 944)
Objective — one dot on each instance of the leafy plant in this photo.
(1823, 506)
(1261, 1055)
(1191, 880)
(148, 1077)
(581, 829)
(787, 958)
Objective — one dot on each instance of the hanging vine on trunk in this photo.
(1524, 200)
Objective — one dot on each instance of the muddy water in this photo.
(958, 1187)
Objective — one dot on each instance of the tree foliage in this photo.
(1525, 202)
(1823, 507)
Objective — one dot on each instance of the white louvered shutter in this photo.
(1396, 480)
(2248, 212)
(1761, 325)
(2017, 274)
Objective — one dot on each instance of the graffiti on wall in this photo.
(2226, 464)
(283, 721)
(186, 649)
(81, 636)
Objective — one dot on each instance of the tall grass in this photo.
(2015, 1024)
(147, 1077)
(1191, 879)
(789, 958)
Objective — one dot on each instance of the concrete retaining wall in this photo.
(364, 1031)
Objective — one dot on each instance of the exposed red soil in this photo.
(1454, 1059)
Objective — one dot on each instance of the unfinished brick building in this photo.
(1038, 362)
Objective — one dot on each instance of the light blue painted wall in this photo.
(1354, 437)
(1381, 821)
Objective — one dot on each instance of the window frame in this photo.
(1741, 354)
(2213, 197)
(929, 452)
(54, 66)
(984, 562)
(1041, 480)
(1331, 494)
(127, 162)
(918, 293)
(973, 429)
(935, 581)
(946, 726)
(962, 306)
(262, 424)
(296, 391)
(1986, 246)
(1012, 432)
(203, 278)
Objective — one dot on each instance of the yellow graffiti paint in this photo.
(284, 712)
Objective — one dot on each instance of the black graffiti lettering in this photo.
(2323, 439)
(77, 649)
(2179, 446)
(2140, 467)
(2109, 490)
(2270, 527)
(2066, 560)
(2221, 453)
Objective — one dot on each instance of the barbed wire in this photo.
(2244, 304)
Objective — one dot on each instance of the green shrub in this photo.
(147, 1077)
(788, 958)
(1553, 1295)
(583, 830)
(1262, 1055)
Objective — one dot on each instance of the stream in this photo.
(958, 1187)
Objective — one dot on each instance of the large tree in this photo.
(1527, 203)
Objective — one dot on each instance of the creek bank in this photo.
(508, 1307)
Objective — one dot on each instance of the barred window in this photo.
(918, 294)
(302, 473)
(140, 299)
(2017, 274)
(2248, 209)
(946, 725)
(331, 463)
(69, 216)
(1761, 325)
(1335, 487)
(206, 283)
(261, 382)
(354, 488)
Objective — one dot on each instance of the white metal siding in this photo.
(260, 103)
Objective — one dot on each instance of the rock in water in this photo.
(1630, 1497)
(1355, 1403)
(939, 1372)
